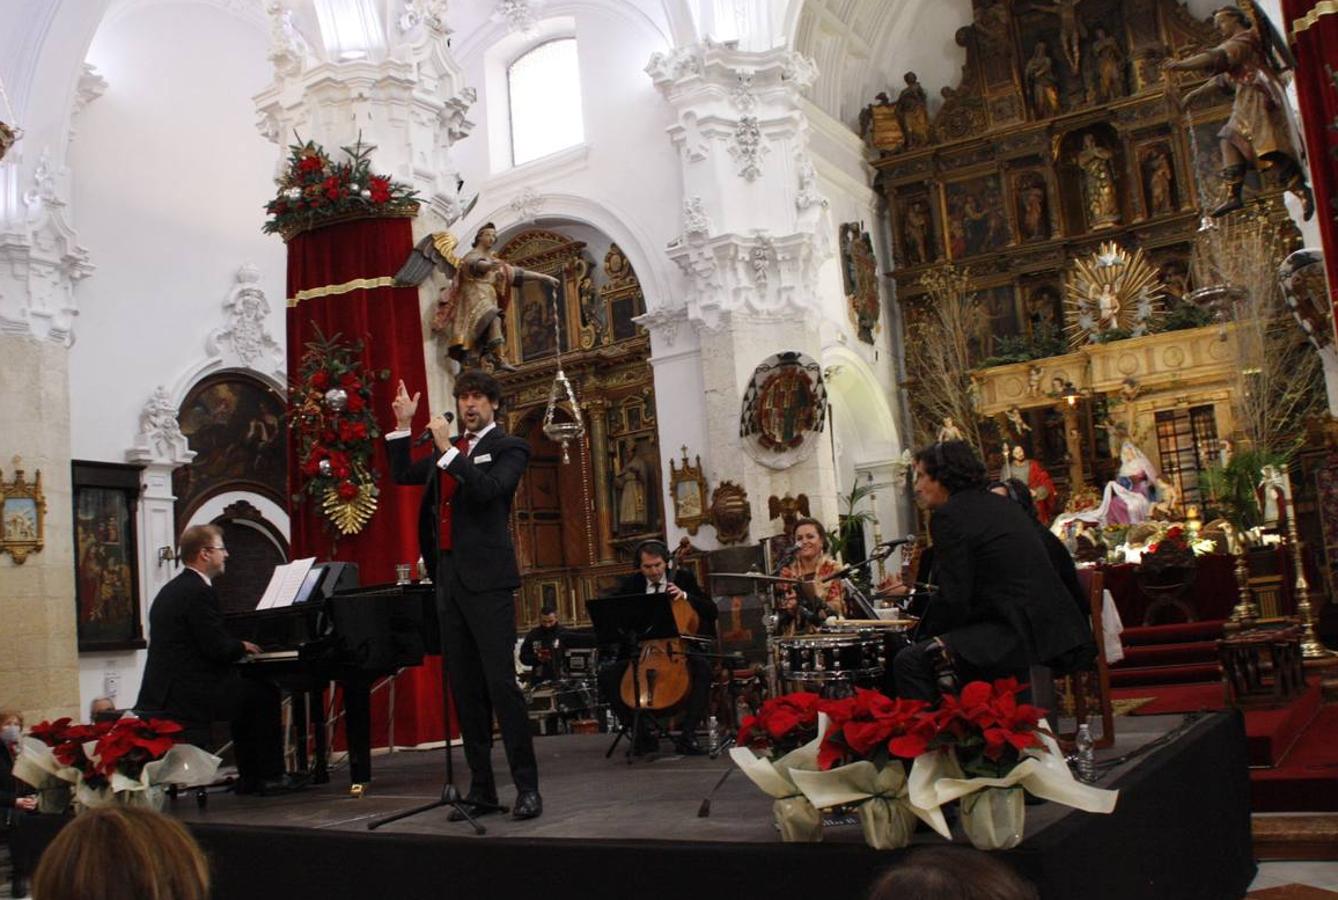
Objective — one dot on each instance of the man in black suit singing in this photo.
(463, 527)
(190, 676)
(1000, 607)
(653, 576)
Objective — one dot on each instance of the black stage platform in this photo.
(1181, 830)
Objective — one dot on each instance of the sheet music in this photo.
(285, 583)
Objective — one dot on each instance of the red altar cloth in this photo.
(1212, 596)
(340, 281)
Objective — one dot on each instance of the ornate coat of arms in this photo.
(859, 273)
(785, 402)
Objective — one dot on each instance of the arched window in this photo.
(544, 86)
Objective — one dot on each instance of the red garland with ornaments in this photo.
(315, 191)
(330, 416)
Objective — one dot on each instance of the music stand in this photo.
(625, 620)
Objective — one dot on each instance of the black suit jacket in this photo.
(706, 611)
(190, 652)
(483, 555)
(998, 591)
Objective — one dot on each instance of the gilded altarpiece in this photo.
(577, 523)
(1058, 136)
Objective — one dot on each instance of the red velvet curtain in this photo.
(1312, 29)
(339, 280)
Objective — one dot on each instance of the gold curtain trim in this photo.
(1322, 9)
(330, 290)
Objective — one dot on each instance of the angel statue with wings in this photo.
(470, 310)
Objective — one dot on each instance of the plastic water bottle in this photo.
(1086, 762)
(712, 734)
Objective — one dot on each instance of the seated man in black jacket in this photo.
(190, 677)
(653, 576)
(541, 646)
(1001, 607)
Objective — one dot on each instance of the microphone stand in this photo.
(450, 795)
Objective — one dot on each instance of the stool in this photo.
(1250, 682)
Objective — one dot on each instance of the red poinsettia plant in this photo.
(987, 727)
(330, 414)
(872, 726)
(782, 724)
(314, 189)
(124, 746)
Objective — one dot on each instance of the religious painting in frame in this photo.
(977, 222)
(235, 423)
(106, 557)
(859, 274)
(22, 514)
(536, 309)
(917, 235)
(688, 489)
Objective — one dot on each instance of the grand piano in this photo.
(352, 637)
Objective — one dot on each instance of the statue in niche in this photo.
(913, 112)
(632, 487)
(1109, 57)
(1261, 130)
(1032, 217)
(1042, 87)
(1071, 29)
(1098, 183)
(1159, 180)
(1175, 278)
(1042, 307)
(916, 233)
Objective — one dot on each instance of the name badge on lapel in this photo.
(482, 458)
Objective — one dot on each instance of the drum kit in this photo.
(841, 655)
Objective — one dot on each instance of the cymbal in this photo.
(755, 576)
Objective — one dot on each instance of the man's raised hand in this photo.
(404, 407)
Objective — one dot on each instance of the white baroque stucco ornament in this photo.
(289, 51)
(742, 95)
(520, 15)
(696, 225)
(527, 203)
(759, 258)
(678, 63)
(245, 338)
(431, 13)
(160, 438)
(748, 147)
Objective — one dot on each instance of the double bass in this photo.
(662, 680)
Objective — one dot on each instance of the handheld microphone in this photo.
(427, 432)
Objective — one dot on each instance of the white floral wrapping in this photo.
(184, 764)
(861, 781)
(795, 815)
(936, 779)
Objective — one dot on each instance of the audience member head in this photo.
(122, 853)
(952, 873)
(103, 709)
(811, 538)
(201, 548)
(11, 725)
(1015, 489)
(945, 468)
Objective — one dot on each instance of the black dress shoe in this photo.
(476, 805)
(284, 784)
(529, 805)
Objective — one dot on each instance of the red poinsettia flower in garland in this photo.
(380, 189)
(313, 188)
(988, 727)
(133, 742)
(347, 490)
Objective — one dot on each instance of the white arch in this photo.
(651, 266)
(853, 385)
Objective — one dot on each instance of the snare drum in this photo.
(831, 664)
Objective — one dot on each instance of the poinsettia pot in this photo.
(798, 820)
(993, 818)
(888, 822)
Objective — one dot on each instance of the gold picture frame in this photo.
(22, 514)
(688, 488)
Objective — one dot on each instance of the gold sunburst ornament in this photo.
(350, 514)
(1112, 294)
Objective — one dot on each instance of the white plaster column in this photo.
(750, 250)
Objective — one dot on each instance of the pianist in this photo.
(190, 676)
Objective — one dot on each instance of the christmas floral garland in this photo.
(331, 420)
(315, 191)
